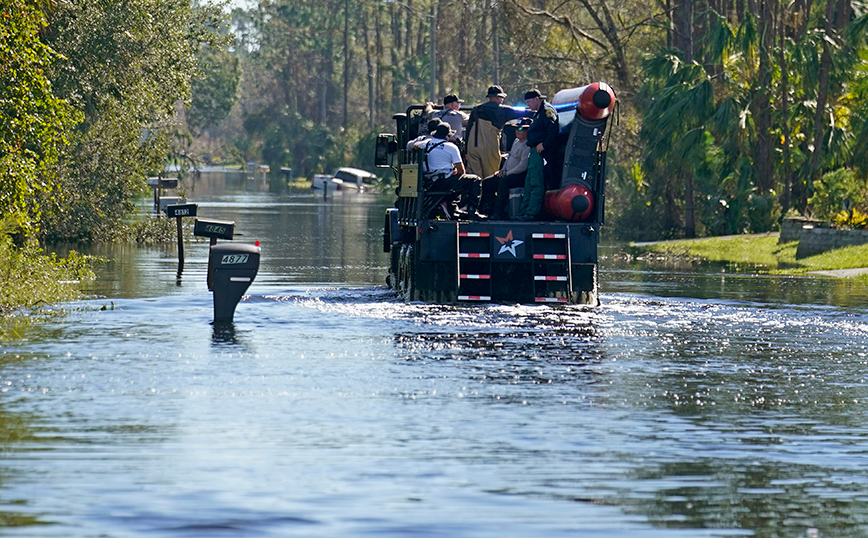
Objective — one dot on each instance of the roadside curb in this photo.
(841, 273)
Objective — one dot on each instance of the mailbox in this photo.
(215, 229)
(233, 267)
(181, 210)
(163, 182)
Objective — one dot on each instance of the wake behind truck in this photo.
(552, 260)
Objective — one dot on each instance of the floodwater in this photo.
(694, 402)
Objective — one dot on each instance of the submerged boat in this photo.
(552, 260)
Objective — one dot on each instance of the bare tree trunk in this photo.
(323, 100)
(606, 24)
(842, 16)
(420, 39)
(346, 115)
(463, 69)
(820, 118)
(787, 168)
(433, 93)
(495, 39)
(761, 102)
(681, 28)
(369, 62)
(670, 33)
(398, 43)
(378, 43)
(670, 216)
(803, 7)
(689, 208)
(408, 40)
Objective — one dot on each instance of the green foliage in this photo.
(124, 66)
(837, 190)
(290, 140)
(29, 277)
(214, 91)
(153, 230)
(34, 121)
(722, 138)
(349, 66)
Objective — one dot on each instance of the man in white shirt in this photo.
(495, 188)
(432, 124)
(443, 170)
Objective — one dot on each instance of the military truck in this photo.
(552, 260)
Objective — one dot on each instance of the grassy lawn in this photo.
(760, 251)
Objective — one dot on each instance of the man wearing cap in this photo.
(443, 170)
(451, 114)
(482, 138)
(432, 124)
(495, 189)
(541, 138)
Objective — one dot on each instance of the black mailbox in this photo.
(163, 182)
(233, 267)
(181, 210)
(215, 229)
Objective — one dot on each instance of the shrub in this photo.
(837, 190)
(29, 277)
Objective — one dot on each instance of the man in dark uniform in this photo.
(482, 138)
(541, 138)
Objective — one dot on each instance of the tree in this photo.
(215, 90)
(34, 122)
(124, 66)
(774, 112)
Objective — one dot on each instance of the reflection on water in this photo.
(727, 281)
(688, 404)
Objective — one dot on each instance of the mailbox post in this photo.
(180, 211)
(158, 184)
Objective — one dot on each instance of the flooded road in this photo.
(690, 404)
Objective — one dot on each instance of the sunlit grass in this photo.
(756, 250)
(762, 251)
(841, 258)
(299, 183)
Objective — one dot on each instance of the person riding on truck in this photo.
(541, 138)
(482, 136)
(495, 188)
(451, 114)
(443, 170)
(432, 124)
